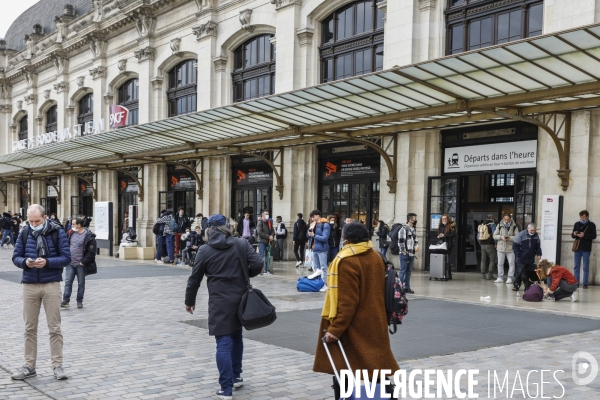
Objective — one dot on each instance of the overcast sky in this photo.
(11, 9)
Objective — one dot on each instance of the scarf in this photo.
(40, 238)
(331, 296)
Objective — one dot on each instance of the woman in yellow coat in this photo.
(354, 309)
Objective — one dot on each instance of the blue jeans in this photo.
(383, 252)
(332, 253)
(320, 262)
(586, 265)
(230, 350)
(159, 246)
(406, 266)
(70, 273)
(7, 233)
(262, 251)
(170, 249)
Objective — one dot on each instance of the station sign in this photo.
(491, 157)
(89, 128)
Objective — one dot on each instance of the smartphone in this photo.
(30, 260)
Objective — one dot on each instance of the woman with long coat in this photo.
(354, 309)
(447, 233)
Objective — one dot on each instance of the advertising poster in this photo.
(127, 185)
(364, 167)
(497, 156)
(550, 229)
(102, 220)
(181, 180)
(253, 175)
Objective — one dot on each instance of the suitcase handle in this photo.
(335, 371)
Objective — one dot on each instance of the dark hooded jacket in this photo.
(6, 222)
(89, 248)
(225, 279)
(58, 258)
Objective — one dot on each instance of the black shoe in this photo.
(409, 291)
(515, 288)
(310, 269)
(585, 286)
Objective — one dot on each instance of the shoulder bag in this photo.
(577, 242)
(255, 310)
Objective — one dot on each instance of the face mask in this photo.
(585, 222)
(267, 216)
(331, 222)
(530, 234)
(37, 228)
(414, 223)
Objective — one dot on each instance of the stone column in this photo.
(68, 187)
(37, 191)
(217, 186)
(98, 78)
(148, 103)
(288, 20)
(155, 181)
(307, 74)
(5, 121)
(107, 190)
(398, 32)
(206, 36)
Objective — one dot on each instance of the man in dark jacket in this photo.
(41, 251)
(265, 232)
(299, 240)
(7, 237)
(82, 244)
(585, 231)
(183, 222)
(220, 260)
(526, 247)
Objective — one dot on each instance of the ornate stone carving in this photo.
(39, 119)
(62, 30)
(19, 104)
(382, 5)
(144, 54)
(245, 17)
(145, 23)
(47, 94)
(220, 63)
(30, 47)
(279, 4)
(122, 65)
(60, 63)
(6, 108)
(98, 72)
(305, 36)
(80, 81)
(157, 82)
(61, 87)
(425, 5)
(31, 98)
(108, 98)
(98, 10)
(97, 46)
(203, 4)
(205, 30)
(175, 43)
(30, 77)
(6, 90)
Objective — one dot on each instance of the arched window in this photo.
(86, 111)
(51, 118)
(352, 41)
(129, 97)
(23, 134)
(183, 88)
(254, 69)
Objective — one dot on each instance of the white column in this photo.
(288, 58)
(217, 186)
(154, 181)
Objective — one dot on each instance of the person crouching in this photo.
(561, 282)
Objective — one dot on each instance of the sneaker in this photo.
(238, 382)
(323, 289)
(224, 395)
(549, 298)
(64, 304)
(310, 269)
(298, 264)
(585, 286)
(499, 280)
(59, 373)
(409, 291)
(23, 373)
(159, 261)
(515, 288)
(79, 305)
(509, 281)
(268, 273)
(574, 297)
(315, 274)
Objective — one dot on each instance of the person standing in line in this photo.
(335, 236)
(41, 251)
(447, 233)
(383, 232)
(585, 231)
(526, 246)
(408, 243)
(280, 235)
(245, 227)
(7, 237)
(220, 261)
(183, 223)
(485, 235)
(264, 231)
(168, 235)
(504, 235)
(82, 244)
(320, 236)
(299, 240)
(348, 220)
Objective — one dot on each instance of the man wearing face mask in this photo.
(408, 245)
(585, 231)
(264, 230)
(41, 251)
(281, 234)
(505, 235)
(183, 222)
(526, 246)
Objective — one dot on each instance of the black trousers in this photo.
(525, 274)
(299, 249)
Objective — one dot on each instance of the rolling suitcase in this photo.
(437, 266)
(376, 394)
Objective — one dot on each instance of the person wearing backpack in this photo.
(6, 230)
(354, 310)
(485, 232)
(527, 247)
(408, 243)
(82, 243)
(167, 235)
(505, 235)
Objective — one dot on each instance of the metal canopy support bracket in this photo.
(52, 181)
(192, 165)
(4, 191)
(562, 149)
(273, 157)
(136, 173)
(89, 177)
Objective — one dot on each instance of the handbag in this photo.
(255, 310)
(308, 258)
(441, 245)
(577, 242)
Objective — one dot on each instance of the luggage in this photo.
(309, 285)
(308, 258)
(533, 293)
(375, 392)
(437, 266)
(396, 303)
(275, 251)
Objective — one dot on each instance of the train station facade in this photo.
(367, 109)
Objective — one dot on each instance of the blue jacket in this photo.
(527, 247)
(57, 258)
(321, 238)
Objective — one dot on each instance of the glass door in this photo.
(125, 200)
(75, 207)
(525, 199)
(253, 201)
(443, 198)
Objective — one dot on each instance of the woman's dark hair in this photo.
(355, 232)
(80, 221)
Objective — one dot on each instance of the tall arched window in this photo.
(352, 41)
(86, 111)
(51, 118)
(129, 97)
(23, 134)
(183, 88)
(254, 69)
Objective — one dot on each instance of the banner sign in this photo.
(128, 185)
(551, 229)
(351, 168)
(85, 189)
(52, 191)
(498, 156)
(118, 116)
(181, 180)
(89, 128)
(253, 175)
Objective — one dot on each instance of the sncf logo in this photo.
(549, 200)
(118, 116)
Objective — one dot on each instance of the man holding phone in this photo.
(504, 235)
(41, 251)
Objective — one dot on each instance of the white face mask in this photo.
(267, 216)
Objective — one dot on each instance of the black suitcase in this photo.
(275, 251)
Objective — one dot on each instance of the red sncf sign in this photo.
(118, 116)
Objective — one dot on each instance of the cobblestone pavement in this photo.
(129, 342)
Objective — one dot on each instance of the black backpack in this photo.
(394, 248)
(158, 229)
(396, 303)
